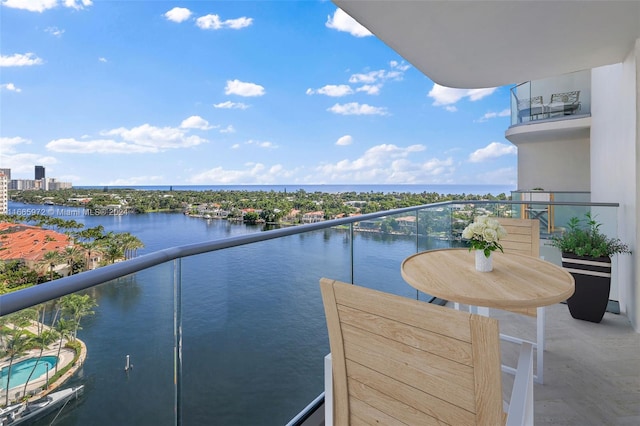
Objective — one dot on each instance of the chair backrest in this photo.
(566, 97)
(523, 236)
(402, 361)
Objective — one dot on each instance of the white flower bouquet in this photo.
(484, 234)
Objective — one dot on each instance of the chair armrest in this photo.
(521, 404)
(328, 391)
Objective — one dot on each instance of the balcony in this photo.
(551, 109)
(232, 331)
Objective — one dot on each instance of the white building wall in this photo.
(556, 165)
(614, 166)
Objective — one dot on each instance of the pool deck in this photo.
(36, 384)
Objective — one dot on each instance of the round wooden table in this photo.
(517, 281)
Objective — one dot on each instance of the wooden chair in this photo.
(523, 236)
(399, 361)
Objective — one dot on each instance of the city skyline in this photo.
(201, 93)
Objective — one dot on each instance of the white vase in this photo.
(484, 263)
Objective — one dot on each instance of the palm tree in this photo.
(51, 259)
(73, 255)
(19, 340)
(44, 339)
(64, 328)
(131, 244)
(78, 306)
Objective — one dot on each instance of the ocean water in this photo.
(254, 333)
(332, 189)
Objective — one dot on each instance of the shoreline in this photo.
(35, 388)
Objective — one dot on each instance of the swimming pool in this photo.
(20, 371)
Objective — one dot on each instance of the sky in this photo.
(230, 93)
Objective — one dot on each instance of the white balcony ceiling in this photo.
(474, 44)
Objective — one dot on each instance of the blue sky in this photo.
(232, 92)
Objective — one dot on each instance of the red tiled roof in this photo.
(18, 241)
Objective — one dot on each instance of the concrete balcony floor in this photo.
(592, 371)
(591, 374)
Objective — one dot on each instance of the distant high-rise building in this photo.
(39, 172)
(4, 193)
(7, 173)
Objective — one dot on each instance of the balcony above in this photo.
(552, 109)
(551, 129)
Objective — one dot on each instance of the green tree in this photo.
(43, 339)
(18, 341)
(78, 306)
(50, 260)
(64, 328)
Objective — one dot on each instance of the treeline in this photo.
(333, 204)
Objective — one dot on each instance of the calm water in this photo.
(254, 335)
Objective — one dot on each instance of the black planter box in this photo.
(593, 283)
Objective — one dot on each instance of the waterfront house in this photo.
(30, 244)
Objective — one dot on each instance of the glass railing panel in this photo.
(561, 97)
(132, 316)
(254, 331)
(379, 249)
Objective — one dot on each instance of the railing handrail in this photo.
(31, 296)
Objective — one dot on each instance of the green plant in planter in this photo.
(586, 254)
(588, 240)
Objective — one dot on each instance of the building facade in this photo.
(4, 193)
(598, 152)
(39, 173)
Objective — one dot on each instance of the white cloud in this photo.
(240, 88)
(195, 122)
(388, 163)
(402, 66)
(42, 5)
(228, 129)
(263, 144)
(10, 87)
(23, 162)
(447, 95)
(213, 22)
(332, 90)
(103, 60)
(31, 5)
(77, 4)
(157, 138)
(7, 145)
(20, 60)
(231, 105)
(344, 140)
(253, 173)
(504, 176)
(375, 76)
(340, 21)
(141, 139)
(354, 108)
(369, 89)
(134, 180)
(493, 150)
(97, 146)
(490, 115)
(178, 14)
(54, 31)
